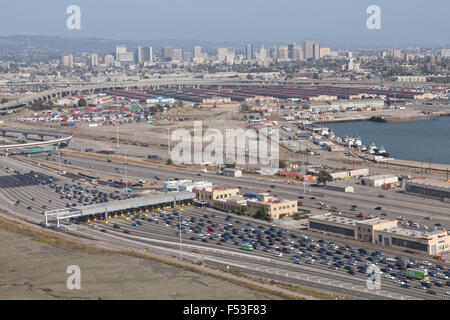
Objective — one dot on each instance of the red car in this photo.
(269, 190)
(220, 243)
(196, 250)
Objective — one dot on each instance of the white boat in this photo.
(349, 142)
(358, 142)
(381, 151)
(372, 148)
(363, 148)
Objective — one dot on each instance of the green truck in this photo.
(417, 274)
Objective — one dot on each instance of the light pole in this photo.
(168, 143)
(179, 220)
(117, 135)
(59, 149)
(126, 172)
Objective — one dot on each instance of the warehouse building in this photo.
(429, 188)
(379, 180)
(334, 224)
(185, 185)
(422, 241)
(383, 232)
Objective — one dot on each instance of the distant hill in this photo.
(63, 45)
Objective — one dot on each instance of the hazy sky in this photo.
(333, 21)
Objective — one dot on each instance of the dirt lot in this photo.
(34, 270)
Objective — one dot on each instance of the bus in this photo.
(247, 247)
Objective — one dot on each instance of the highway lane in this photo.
(312, 279)
(271, 267)
(149, 231)
(186, 240)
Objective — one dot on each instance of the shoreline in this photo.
(367, 118)
(423, 166)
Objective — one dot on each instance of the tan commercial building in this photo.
(413, 239)
(384, 232)
(276, 208)
(365, 229)
(234, 204)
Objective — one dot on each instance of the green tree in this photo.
(82, 102)
(324, 177)
(169, 162)
(281, 164)
(262, 215)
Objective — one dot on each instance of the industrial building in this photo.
(379, 180)
(231, 172)
(412, 239)
(384, 232)
(429, 188)
(185, 185)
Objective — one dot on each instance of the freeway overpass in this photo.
(61, 139)
(89, 88)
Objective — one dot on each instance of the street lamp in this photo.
(126, 172)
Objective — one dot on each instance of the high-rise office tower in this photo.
(177, 55)
(139, 55)
(148, 54)
(67, 61)
(222, 54)
(198, 52)
(325, 52)
(316, 51)
(291, 48)
(308, 50)
(167, 53)
(94, 59)
(273, 52)
(262, 53)
(297, 53)
(109, 59)
(249, 55)
(283, 52)
(120, 50)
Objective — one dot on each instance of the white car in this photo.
(399, 281)
(448, 293)
(400, 218)
(277, 254)
(388, 276)
(428, 218)
(426, 263)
